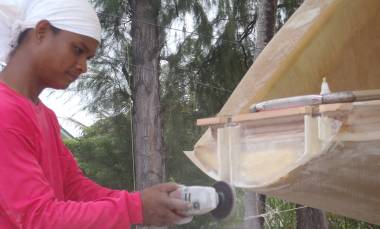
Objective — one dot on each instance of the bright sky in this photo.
(67, 106)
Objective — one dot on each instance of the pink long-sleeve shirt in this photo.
(41, 185)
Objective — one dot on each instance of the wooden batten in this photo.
(273, 114)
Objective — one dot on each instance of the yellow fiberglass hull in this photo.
(336, 39)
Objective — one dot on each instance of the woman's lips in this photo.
(73, 76)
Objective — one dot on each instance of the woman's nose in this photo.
(82, 65)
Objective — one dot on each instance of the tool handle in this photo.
(309, 100)
(203, 199)
(339, 97)
(297, 101)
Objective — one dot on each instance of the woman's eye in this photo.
(78, 50)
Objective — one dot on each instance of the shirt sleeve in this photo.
(28, 200)
(78, 187)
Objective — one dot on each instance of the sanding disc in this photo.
(226, 195)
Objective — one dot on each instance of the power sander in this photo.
(218, 199)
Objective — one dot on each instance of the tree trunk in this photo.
(265, 27)
(311, 218)
(147, 129)
(266, 23)
(254, 206)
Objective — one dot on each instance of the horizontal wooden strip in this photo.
(274, 114)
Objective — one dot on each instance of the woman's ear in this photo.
(41, 30)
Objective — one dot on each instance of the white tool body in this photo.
(219, 200)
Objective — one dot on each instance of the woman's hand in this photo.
(159, 209)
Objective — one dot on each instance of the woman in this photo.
(46, 44)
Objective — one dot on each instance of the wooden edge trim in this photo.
(270, 114)
(213, 121)
(275, 114)
(335, 107)
(253, 116)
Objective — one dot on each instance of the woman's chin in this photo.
(61, 85)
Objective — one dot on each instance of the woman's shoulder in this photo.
(14, 110)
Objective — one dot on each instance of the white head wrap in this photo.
(77, 16)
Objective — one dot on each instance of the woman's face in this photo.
(61, 58)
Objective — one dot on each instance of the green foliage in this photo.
(211, 66)
(106, 86)
(280, 214)
(104, 152)
(180, 133)
(285, 9)
(341, 222)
